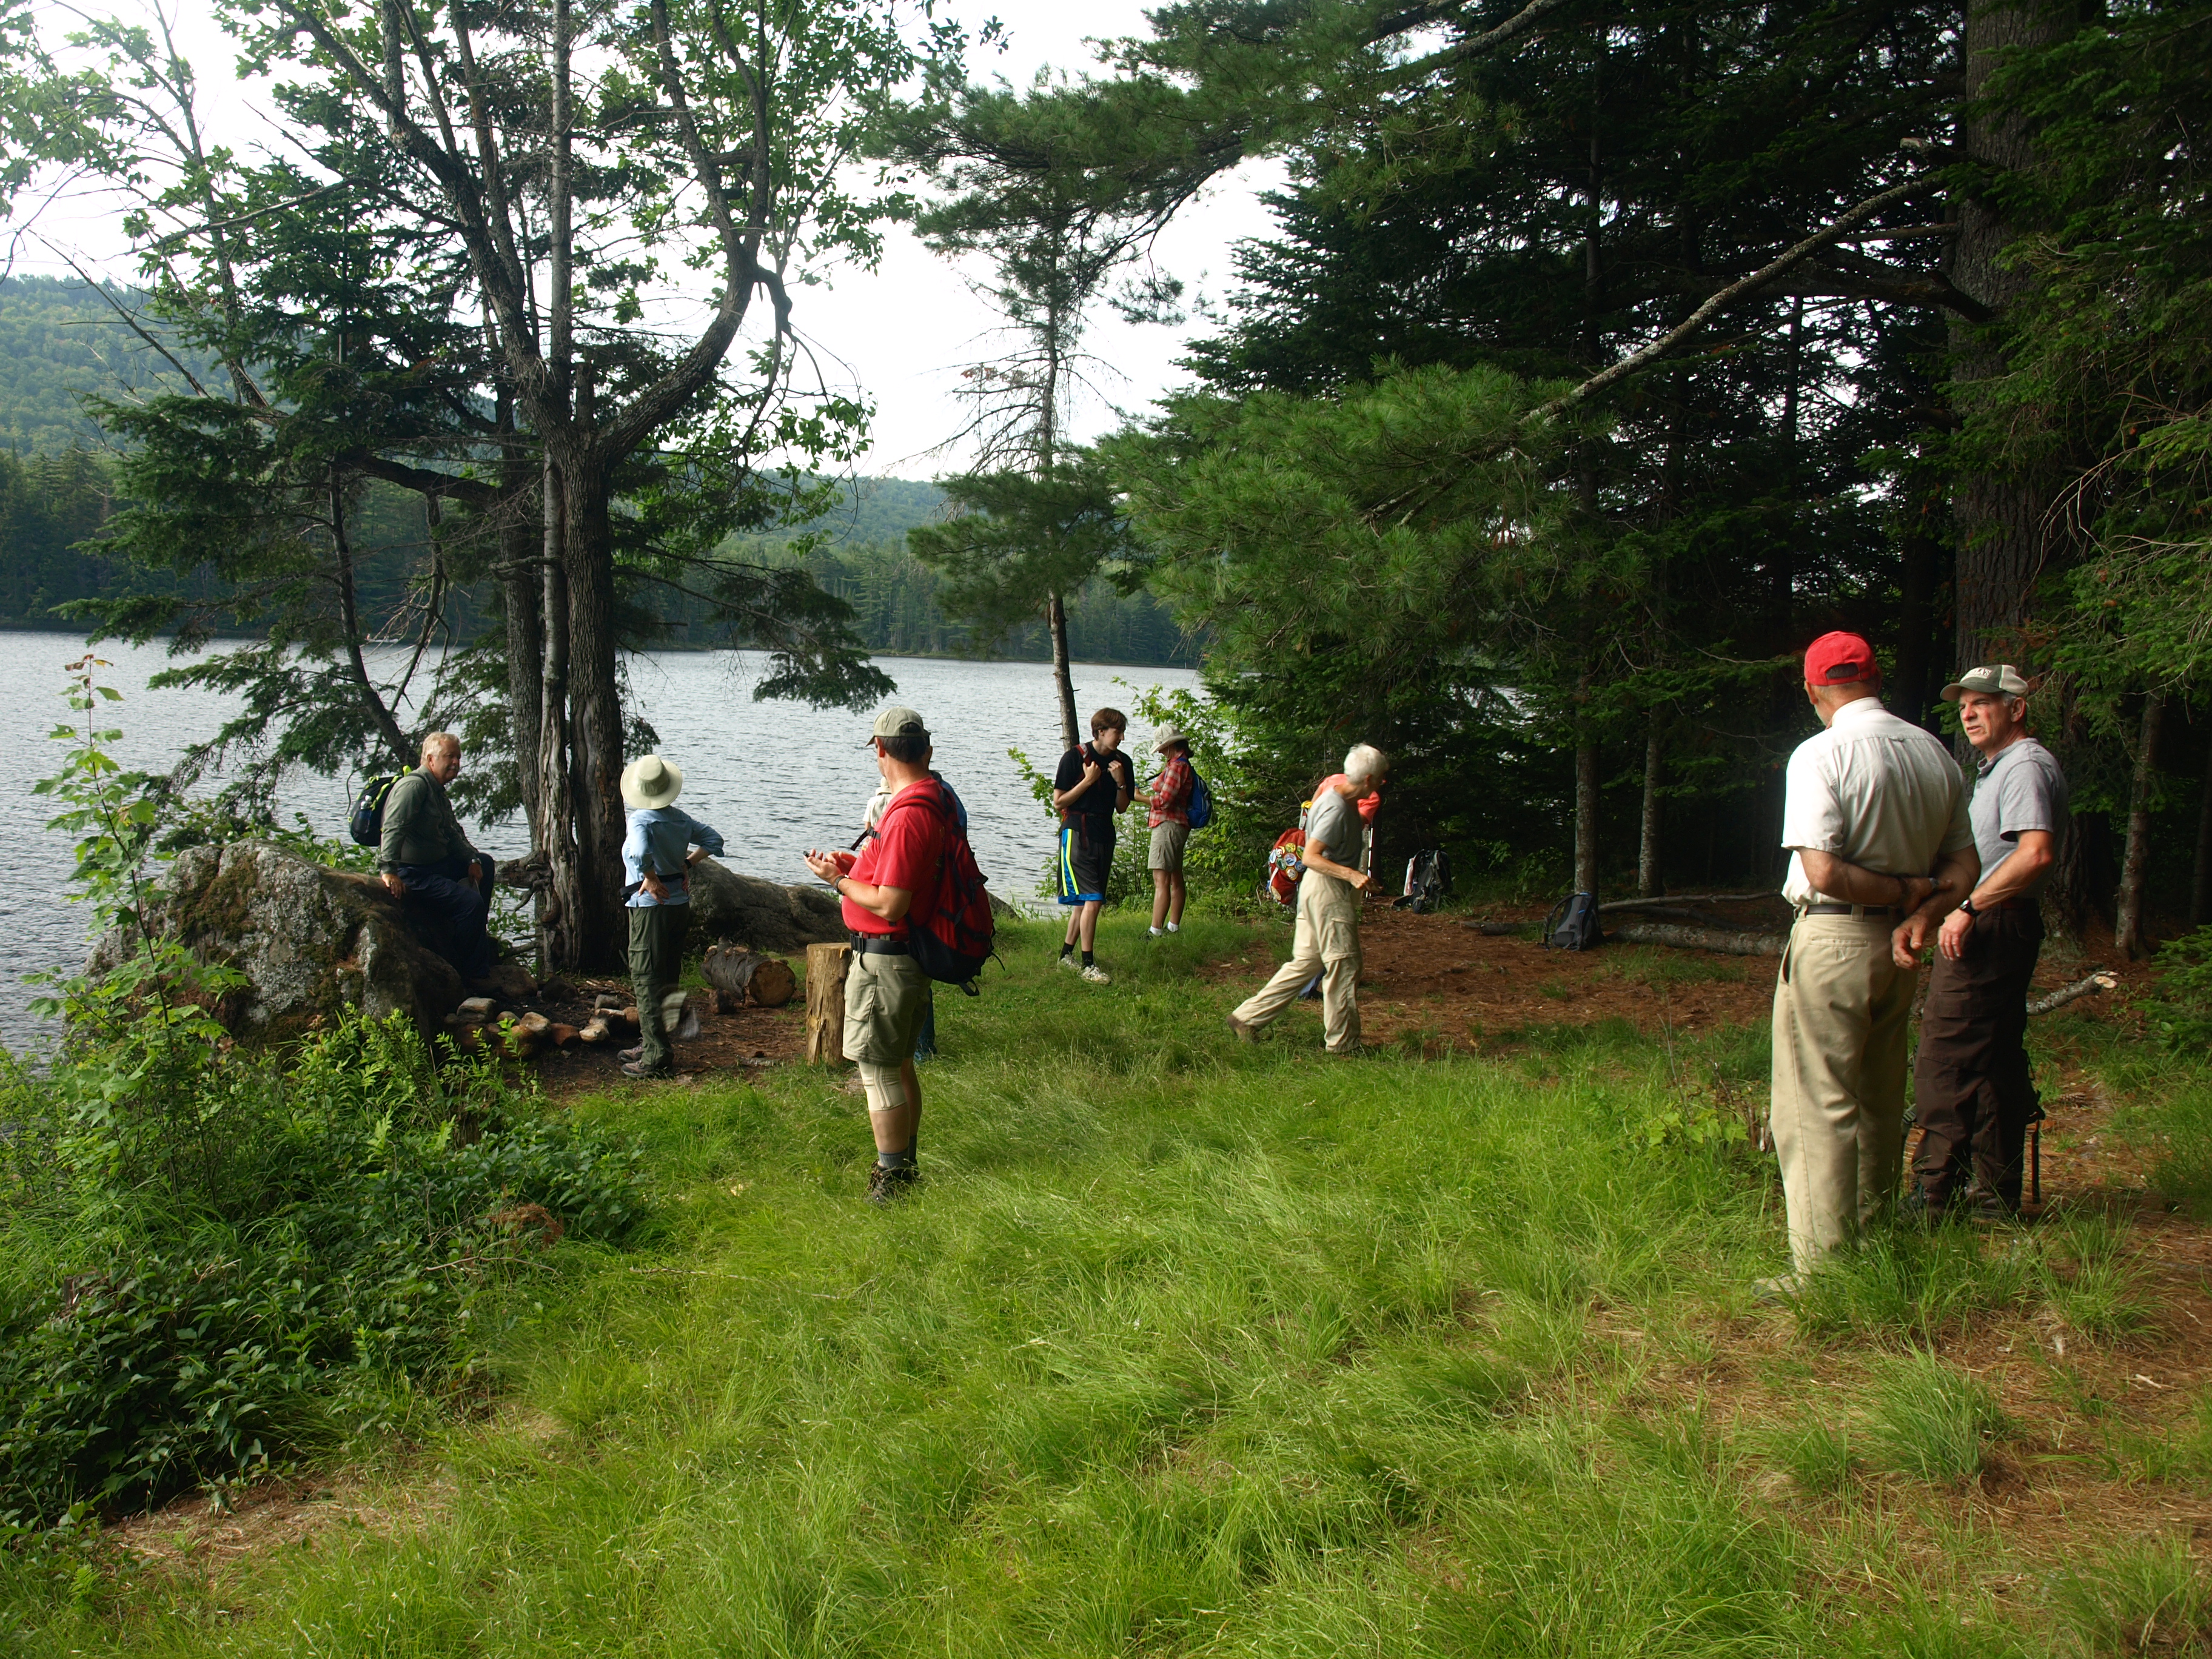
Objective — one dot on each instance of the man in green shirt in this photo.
(443, 883)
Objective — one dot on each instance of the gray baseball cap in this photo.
(900, 721)
(1999, 679)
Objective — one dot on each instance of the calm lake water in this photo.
(775, 778)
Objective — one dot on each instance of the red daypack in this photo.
(956, 941)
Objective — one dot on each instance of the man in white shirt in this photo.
(1880, 848)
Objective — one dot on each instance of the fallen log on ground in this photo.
(2089, 985)
(1732, 941)
(1686, 898)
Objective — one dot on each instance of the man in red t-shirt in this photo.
(889, 887)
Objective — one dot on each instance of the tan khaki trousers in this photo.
(1840, 1008)
(1326, 942)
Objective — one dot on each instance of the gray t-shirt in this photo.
(2022, 789)
(1334, 821)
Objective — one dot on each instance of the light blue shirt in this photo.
(658, 837)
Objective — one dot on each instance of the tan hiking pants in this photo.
(1327, 942)
(1840, 1008)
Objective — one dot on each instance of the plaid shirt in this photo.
(1171, 802)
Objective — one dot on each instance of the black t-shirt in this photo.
(1094, 805)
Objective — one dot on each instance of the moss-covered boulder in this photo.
(309, 941)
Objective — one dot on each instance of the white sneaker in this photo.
(1069, 962)
(1175, 927)
(1096, 975)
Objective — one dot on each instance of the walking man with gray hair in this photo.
(1327, 940)
(1973, 1091)
(1875, 822)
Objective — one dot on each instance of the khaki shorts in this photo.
(1168, 841)
(885, 998)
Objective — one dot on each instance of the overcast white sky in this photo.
(900, 334)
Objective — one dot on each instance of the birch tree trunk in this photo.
(1648, 883)
(1586, 796)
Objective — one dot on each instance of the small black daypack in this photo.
(366, 823)
(1572, 924)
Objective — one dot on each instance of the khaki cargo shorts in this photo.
(1168, 842)
(885, 997)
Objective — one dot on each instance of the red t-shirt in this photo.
(905, 852)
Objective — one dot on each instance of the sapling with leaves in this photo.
(140, 1030)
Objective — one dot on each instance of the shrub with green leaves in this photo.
(351, 1215)
(2179, 1009)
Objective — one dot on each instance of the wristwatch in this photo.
(1967, 906)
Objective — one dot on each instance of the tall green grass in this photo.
(1184, 1347)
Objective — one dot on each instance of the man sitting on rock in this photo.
(443, 883)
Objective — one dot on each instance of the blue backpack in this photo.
(1202, 802)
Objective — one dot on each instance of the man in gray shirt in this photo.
(1327, 938)
(1974, 1092)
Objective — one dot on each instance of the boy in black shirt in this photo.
(1093, 783)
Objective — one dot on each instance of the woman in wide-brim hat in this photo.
(649, 783)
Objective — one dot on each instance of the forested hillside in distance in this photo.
(58, 341)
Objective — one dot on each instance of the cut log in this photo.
(596, 1029)
(1726, 939)
(730, 967)
(774, 984)
(2090, 985)
(826, 968)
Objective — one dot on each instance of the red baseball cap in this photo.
(1838, 659)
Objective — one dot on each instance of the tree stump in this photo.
(774, 983)
(826, 968)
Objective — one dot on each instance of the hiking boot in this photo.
(638, 1068)
(887, 1186)
(1986, 1209)
(1243, 1032)
(1094, 975)
(1780, 1291)
(1917, 1209)
(628, 1055)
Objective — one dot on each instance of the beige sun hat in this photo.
(650, 782)
(1168, 735)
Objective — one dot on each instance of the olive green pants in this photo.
(656, 967)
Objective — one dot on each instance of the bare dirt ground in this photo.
(747, 1041)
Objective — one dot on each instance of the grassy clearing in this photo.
(1193, 1348)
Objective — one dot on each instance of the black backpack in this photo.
(1572, 924)
(367, 823)
(1428, 880)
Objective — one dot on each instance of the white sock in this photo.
(1152, 932)
(1175, 927)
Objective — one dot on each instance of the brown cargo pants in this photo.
(1973, 1092)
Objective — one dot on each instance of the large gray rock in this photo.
(765, 914)
(311, 941)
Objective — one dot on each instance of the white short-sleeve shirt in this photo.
(1875, 791)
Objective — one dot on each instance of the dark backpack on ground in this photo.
(1572, 924)
(367, 823)
(1428, 880)
(1202, 802)
(955, 942)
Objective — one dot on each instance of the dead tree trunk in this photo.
(2128, 931)
(1056, 616)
